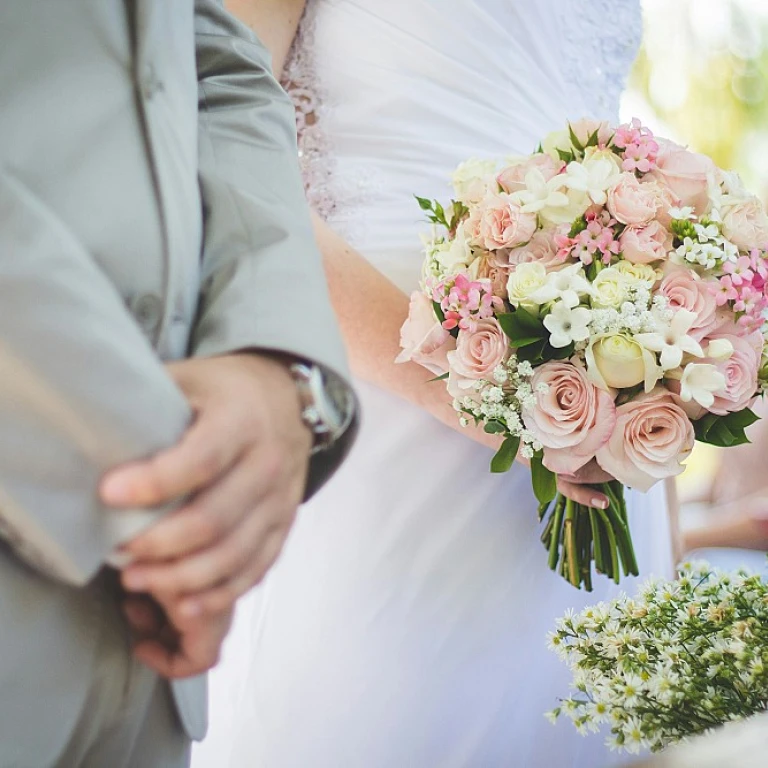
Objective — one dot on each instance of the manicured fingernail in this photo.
(599, 503)
(134, 580)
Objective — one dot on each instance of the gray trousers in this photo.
(128, 718)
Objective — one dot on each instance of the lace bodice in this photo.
(391, 95)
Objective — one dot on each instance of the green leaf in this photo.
(505, 456)
(544, 480)
(593, 140)
(575, 139)
(724, 431)
(438, 311)
(438, 378)
(566, 157)
(741, 419)
(533, 353)
(494, 427)
(424, 204)
(521, 327)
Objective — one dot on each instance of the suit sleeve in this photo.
(81, 391)
(263, 281)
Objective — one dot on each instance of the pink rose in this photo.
(501, 223)
(512, 178)
(644, 245)
(478, 353)
(746, 225)
(540, 248)
(572, 420)
(740, 371)
(585, 128)
(651, 438)
(423, 339)
(686, 290)
(632, 202)
(685, 173)
(496, 269)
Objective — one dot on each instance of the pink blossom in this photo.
(597, 238)
(640, 148)
(465, 301)
(741, 271)
(724, 290)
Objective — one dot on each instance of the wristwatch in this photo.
(327, 404)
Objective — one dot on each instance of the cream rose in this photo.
(423, 339)
(686, 174)
(473, 179)
(585, 128)
(525, 280)
(609, 289)
(557, 140)
(638, 272)
(572, 418)
(651, 438)
(616, 361)
(644, 245)
(745, 224)
(502, 224)
(632, 202)
(684, 289)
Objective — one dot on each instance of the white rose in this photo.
(524, 281)
(609, 289)
(557, 140)
(637, 273)
(473, 179)
(455, 255)
(618, 361)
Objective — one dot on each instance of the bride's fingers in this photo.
(582, 494)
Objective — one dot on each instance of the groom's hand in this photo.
(170, 652)
(243, 464)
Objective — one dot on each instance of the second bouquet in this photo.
(601, 300)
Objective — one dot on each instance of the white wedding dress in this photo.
(404, 626)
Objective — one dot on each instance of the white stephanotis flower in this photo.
(682, 214)
(673, 342)
(719, 349)
(567, 324)
(595, 176)
(567, 284)
(699, 383)
(547, 198)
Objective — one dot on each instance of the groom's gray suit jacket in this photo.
(150, 209)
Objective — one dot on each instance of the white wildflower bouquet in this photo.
(600, 300)
(680, 659)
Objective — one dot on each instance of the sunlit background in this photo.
(702, 79)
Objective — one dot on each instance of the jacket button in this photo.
(147, 308)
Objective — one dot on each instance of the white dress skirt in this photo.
(404, 626)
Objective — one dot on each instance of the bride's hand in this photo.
(578, 486)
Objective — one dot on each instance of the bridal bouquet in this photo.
(682, 658)
(599, 300)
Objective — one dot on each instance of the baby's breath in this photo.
(679, 659)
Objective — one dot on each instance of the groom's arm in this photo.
(263, 303)
(264, 286)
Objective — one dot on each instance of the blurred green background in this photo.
(702, 79)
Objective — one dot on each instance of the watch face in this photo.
(338, 402)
